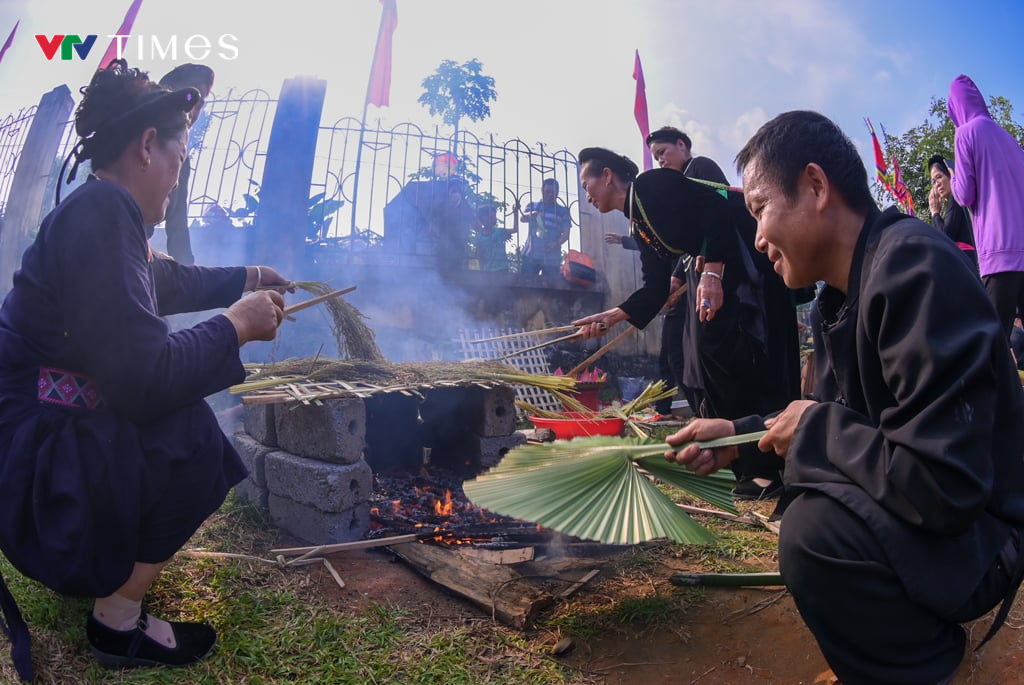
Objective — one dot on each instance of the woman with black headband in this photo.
(948, 215)
(110, 459)
(748, 353)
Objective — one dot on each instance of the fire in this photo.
(444, 509)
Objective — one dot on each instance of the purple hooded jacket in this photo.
(989, 179)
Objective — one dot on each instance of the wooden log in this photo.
(498, 590)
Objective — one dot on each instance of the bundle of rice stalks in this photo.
(387, 375)
(355, 340)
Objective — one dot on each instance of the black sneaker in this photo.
(748, 489)
(133, 648)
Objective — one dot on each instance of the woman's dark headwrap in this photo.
(151, 108)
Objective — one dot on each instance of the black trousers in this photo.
(1006, 292)
(868, 629)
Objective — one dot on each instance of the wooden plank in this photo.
(498, 590)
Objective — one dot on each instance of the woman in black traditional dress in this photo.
(748, 351)
(110, 459)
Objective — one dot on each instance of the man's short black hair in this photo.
(784, 147)
(550, 182)
(668, 134)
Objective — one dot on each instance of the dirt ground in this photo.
(727, 636)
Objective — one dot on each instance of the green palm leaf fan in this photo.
(592, 488)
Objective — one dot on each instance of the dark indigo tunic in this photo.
(84, 494)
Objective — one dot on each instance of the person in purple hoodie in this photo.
(989, 181)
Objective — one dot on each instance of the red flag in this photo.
(7, 43)
(125, 30)
(379, 91)
(881, 168)
(640, 110)
(900, 189)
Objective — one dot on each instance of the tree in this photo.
(455, 91)
(935, 136)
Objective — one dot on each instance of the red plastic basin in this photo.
(576, 424)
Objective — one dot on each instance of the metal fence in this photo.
(357, 171)
(365, 170)
(13, 131)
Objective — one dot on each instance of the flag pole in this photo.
(388, 11)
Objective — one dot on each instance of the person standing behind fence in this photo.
(489, 241)
(989, 181)
(549, 224)
(179, 244)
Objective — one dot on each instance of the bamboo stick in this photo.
(540, 331)
(341, 546)
(316, 300)
(601, 352)
(554, 341)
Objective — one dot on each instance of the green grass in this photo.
(274, 627)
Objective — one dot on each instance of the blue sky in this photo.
(563, 68)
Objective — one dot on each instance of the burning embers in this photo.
(407, 504)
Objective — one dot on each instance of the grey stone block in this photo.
(253, 454)
(317, 527)
(249, 491)
(494, 410)
(493, 449)
(326, 486)
(258, 420)
(333, 431)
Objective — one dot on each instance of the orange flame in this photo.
(444, 509)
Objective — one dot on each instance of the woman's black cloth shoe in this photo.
(748, 489)
(132, 648)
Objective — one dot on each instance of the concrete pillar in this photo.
(279, 230)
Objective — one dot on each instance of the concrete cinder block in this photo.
(493, 410)
(333, 431)
(258, 420)
(494, 448)
(249, 491)
(317, 527)
(253, 454)
(328, 487)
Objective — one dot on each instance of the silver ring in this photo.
(706, 304)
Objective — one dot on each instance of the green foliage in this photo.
(455, 91)
(934, 136)
(319, 212)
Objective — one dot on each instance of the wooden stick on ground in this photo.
(316, 300)
(341, 546)
(601, 352)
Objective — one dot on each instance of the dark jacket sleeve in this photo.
(644, 304)
(923, 448)
(629, 243)
(955, 223)
(181, 288)
(111, 320)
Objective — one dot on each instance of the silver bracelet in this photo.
(711, 273)
(259, 277)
